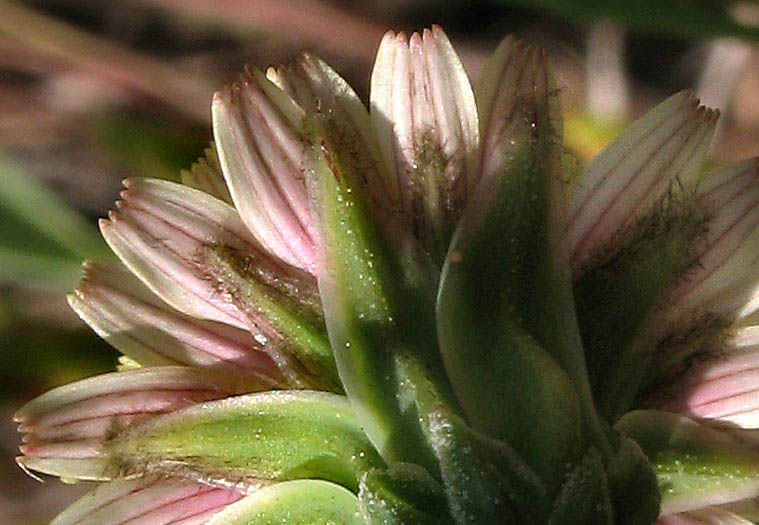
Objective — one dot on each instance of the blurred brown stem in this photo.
(327, 26)
(62, 41)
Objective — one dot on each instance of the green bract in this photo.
(418, 315)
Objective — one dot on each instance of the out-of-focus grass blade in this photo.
(685, 18)
(42, 239)
(35, 270)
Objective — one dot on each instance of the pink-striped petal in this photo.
(66, 428)
(257, 128)
(193, 251)
(322, 93)
(623, 183)
(159, 231)
(723, 282)
(125, 313)
(723, 389)
(423, 109)
(149, 501)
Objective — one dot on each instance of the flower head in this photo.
(418, 314)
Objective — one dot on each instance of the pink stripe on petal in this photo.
(634, 172)
(123, 403)
(725, 389)
(262, 156)
(726, 260)
(150, 501)
(282, 151)
(198, 504)
(424, 111)
(74, 449)
(84, 428)
(121, 310)
(321, 91)
(619, 203)
(68, 426)
(156, 259)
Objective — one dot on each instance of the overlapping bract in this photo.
(409, 314)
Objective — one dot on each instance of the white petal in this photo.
(724, 280)
(66, 428)
(322, 92)
(423, 108)
(722, 389)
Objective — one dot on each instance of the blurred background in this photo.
(92, 92)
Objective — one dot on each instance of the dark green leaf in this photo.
(584, 496)
(685, 18)
(402, 494)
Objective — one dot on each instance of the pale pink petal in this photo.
(321, 92)
(257, 128)
(424, 111)
(722, 389)
(193, 251)
(148, 501)
(66, 428)
(723, 282)
(127, 315)
(159, 231)
(639, 168)
(171, 237)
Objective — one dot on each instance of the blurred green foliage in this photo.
(42, 243)
(37, 354)
(42, 238)
(684, 18)
(148, 148)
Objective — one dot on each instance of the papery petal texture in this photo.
(719, 286)
(159, 232)
(721, 388)
(205, 175)
(325, 95)
(722, 281)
